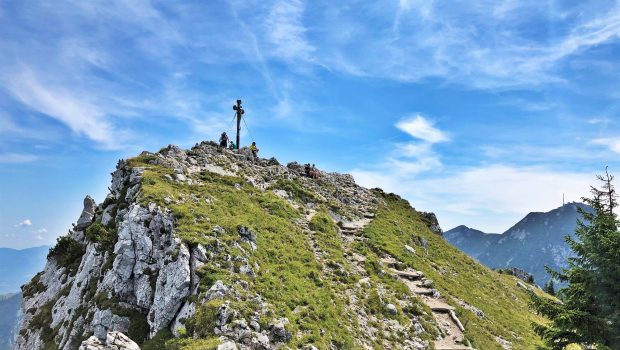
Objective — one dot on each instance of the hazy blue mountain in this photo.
(535, 241)
(10, 313)
(471, 241)
(19, 266)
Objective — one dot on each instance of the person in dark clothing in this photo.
(224, 140)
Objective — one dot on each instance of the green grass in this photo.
(311, 295)
(290, 278)
(504, 304)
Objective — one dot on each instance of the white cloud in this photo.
(490, 198)
(599, 120)
(414, 157)
(24, 223)
(41, 230)
(613, 143)
(80, 115)
(17, 158)
(286, 32)
(420, 128)
(466, 44)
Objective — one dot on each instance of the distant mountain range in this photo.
(10, 313)
(19, 266)
(535, 241)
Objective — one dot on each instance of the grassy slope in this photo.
(289, 277)
(504, 304)
(294, 282)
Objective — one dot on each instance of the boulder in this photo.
(247, 234)
(279, 332)
(86, 218)
(228, 345)
(119, 341)
(113, 341)
(431, 221)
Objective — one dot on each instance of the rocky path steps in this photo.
(452, 330)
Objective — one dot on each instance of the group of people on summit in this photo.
(226, 142)
(310, 170)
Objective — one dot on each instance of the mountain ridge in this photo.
(10, 314)
(533, 242)
(212, 249)
(12, 275)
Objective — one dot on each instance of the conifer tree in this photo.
(549, 287)
(589, 311)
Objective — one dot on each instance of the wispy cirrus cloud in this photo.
(80, 115)
(23, 223)
(612, 143)
(17, 158)
(468, 45)
(286, 32)
(411, 157)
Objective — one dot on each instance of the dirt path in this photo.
(452, 331)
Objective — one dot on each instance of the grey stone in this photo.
(105, 321)
(119, 341)
(261, 342)
(228, 345)
(255, 326)
(410, 249)
(427, 283)
(278, 331)
(391, 308)
(219, 230)
(217, 290)
(86, 218)
(106, 217)
(92, 343)
(247, 234)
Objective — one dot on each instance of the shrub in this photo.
(105, 237)
(33, 287)
(68, 253)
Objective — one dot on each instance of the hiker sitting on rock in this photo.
(312, 172)
(232, 146)
(254, 149)
(224, 140)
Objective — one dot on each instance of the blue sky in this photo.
(479, 111)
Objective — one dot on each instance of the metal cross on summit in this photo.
(240, 112)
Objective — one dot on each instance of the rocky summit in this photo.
(209, 248)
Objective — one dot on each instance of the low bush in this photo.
(68, 253)
(105, 237)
